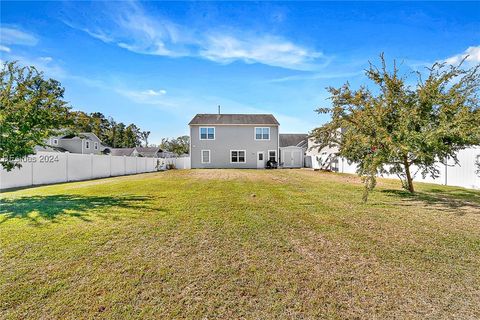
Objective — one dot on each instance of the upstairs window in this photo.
(87, 144)
(207, 133)
(237, 156)
(262, 133)
(55, 141)
(95, 145)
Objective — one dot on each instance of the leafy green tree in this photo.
(398, 127)
(144, 137)
(31, 110)
(132, 136)
(179, 146)
(118, 141)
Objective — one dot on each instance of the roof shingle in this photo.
(261, 119)
(293, 139)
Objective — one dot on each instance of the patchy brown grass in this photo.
(235, 244)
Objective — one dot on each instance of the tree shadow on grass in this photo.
(456, 200)
(51, 208)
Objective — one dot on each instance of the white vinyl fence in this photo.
(52, 167)
(461, 175)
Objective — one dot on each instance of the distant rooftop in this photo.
(293, 139)
(261, 119)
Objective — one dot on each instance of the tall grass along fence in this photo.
(50, 167)
(464, 174)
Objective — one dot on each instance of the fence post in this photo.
(110, 166)
(446, 171)
(91, 165)
(124, 164)
(31, 168)
(66, 166)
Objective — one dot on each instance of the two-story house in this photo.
(84, 143)
(233, 140)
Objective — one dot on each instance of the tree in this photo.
(144, 137)
(132, 136)
(397, 127)
(31, 110)
(179, 146)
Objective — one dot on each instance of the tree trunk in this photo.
(409, 176)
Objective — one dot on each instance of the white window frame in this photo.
(209, 156)
(87, 144)
(200, 133)
(244, 158)
(95, 145)
(55, 141)
(255, 133)
(269, 154)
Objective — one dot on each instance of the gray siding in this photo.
(72, 145)
(75, 145)
(231, 137)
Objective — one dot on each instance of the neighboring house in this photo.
(149, 152)
(84, 143)
(324, 159)
(292, 149)
(233, 140)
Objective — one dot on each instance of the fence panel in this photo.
(182, 163)
(52, 167)
(130, 165)
(117, 165)
(17, 177)
(141, 165)
(463, 174)
(79, 167)
(49, 168)
(101, 166)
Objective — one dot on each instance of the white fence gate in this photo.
(50, 167)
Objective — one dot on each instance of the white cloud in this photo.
(15, 36)
(269, 50)
(150, 97)
(4, 48)
(318, 76)
(472, 55)
(151, 92)
(46, 59)
(44, 64)
(130, 27)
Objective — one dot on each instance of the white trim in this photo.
(245, 157)
(209, 155)
(200, 133)
(268, 157)
(255, 133)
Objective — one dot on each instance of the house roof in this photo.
(261, 119)
(148, 151)
(48, 148)
(121, 151)
(143, 151)
(293, 139)
(87, 135)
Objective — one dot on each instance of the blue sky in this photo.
(157, 64)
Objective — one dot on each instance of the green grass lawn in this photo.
(229, 244)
